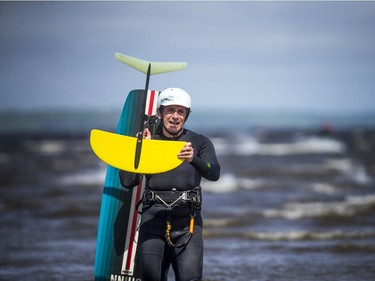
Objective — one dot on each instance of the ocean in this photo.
(296, 198)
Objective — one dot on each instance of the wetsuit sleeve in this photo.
(205, 160)
(129, 180)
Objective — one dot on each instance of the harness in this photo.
(171, 199)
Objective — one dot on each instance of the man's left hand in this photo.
(187, 152)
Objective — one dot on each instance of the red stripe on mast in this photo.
(151, 102)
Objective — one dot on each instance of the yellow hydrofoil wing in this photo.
(157, 156)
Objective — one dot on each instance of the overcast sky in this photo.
(304, 56)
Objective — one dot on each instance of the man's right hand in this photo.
(146, 134)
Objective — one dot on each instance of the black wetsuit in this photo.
(155, 253)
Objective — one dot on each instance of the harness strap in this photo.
(187, 236)
(171, 199)
(170, 206)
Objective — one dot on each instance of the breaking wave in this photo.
(249, 145)
(90, 177)
(229, 182)
(350, 207)
(291, 235)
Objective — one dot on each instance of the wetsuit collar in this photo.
(175, 137)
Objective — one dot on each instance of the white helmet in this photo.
(174, 96)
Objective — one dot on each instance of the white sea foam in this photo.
(310, 145)
(309, 235)
(47, 146)
(350, 207)
(90, 177)
(221, 146)
(286, 235)
(248, 145)
(361, 176)
(356, 172)
(343, 165)
(229, 182)
(325, 188)
(226, 183)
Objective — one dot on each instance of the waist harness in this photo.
(171, 199)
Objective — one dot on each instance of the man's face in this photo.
(173, 117)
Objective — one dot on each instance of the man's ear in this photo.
(159, 112)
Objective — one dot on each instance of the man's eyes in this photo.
(179, 111)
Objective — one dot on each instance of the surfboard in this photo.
(116, 247)
(116, 240)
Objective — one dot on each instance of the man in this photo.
(171, 224)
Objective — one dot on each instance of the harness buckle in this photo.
(184, 195)
(149, 196)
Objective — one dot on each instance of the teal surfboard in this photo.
(116, 245)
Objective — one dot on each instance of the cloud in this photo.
(265, 55)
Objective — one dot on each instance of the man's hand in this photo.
(187, 152)
(146, 134)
